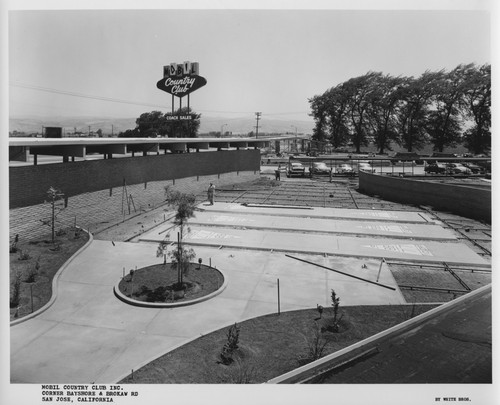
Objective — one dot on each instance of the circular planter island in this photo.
(157, 286)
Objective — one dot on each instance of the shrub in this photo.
(244, 373)
(60, 232)
(13, 246)
(15, 294)
(316, 345)
(233, 337)
(24, 255)
(33, 272)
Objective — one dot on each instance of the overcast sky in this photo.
(269, 61)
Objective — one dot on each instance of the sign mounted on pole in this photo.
(180, 80)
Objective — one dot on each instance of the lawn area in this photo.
(269, 345)
(34, 266)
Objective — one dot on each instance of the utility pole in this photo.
(257, 117)
(296, 148)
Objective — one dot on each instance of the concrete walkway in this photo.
(89, 335)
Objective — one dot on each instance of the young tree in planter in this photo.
(184, 205)
(180, 259)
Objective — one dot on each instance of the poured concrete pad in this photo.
(318, 212)
(323, 225)
(425, 251)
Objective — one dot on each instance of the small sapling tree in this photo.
(180, 259)
(233, 337)
(184, 205)
(336, 320)
(56, 205)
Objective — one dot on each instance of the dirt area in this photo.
(34, 264)
(269, 346)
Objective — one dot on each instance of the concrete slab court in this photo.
(323, 225)
(319, 212)
(425, 251)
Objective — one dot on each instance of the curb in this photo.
(54, 284)
(145, 304)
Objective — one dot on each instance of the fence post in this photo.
(279, 306)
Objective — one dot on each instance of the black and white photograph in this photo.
(268, 202)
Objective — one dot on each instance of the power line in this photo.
(81, 95)
(139, 103)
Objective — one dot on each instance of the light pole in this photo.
(222, 129)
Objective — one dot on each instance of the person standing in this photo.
(211, 193)
(278, 172)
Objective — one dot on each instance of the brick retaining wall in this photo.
(28, 185)
(466, 201)
(99, 209)
(95, 193)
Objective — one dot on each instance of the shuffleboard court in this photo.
(422, 251)
(319, 212)
(323, 225)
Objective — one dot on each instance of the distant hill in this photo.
(71, 124)
(237, 126)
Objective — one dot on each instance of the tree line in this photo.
(442, 108)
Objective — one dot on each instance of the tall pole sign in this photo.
(181, 79)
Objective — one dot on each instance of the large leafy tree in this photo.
(337, 100)
(435, 107)
(444, 120)
(358, 91)
(416, 95)
(385, 100)
(477, 107)
(155, 123)
(318, 112)
(182, 128)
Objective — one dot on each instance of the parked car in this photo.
(457, 168)
(319, 168)
(475, 169)
(435, 167)
(295, 169)
(365, 167)
(407, 157)
(345, 169)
